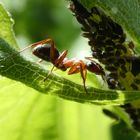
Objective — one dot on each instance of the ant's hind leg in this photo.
(84, 84)
(83, 75)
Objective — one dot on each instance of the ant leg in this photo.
(61, 58)
(79, 67)
(52, 51)
(83, 72)
(74, 68)
(49, 73)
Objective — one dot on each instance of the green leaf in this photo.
(6, 27)
(26, 113)
(26, 116)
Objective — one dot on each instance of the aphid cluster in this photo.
(107, 41)
(108, 44)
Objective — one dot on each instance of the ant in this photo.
(46, 50)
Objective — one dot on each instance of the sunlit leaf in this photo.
(22, 106)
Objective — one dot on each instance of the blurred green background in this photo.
(38, 19)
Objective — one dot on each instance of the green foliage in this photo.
(25, 112)
(6, 24)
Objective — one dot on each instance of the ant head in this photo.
(43, 51)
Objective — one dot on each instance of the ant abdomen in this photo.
(43, 51)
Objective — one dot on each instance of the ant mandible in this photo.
(46, 50)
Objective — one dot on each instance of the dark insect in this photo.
(46, 50)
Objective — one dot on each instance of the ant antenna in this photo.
(30, 46)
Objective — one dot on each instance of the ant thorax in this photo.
(73, 61)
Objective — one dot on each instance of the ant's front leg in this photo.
(60, 61)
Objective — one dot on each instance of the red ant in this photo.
(47, 51)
